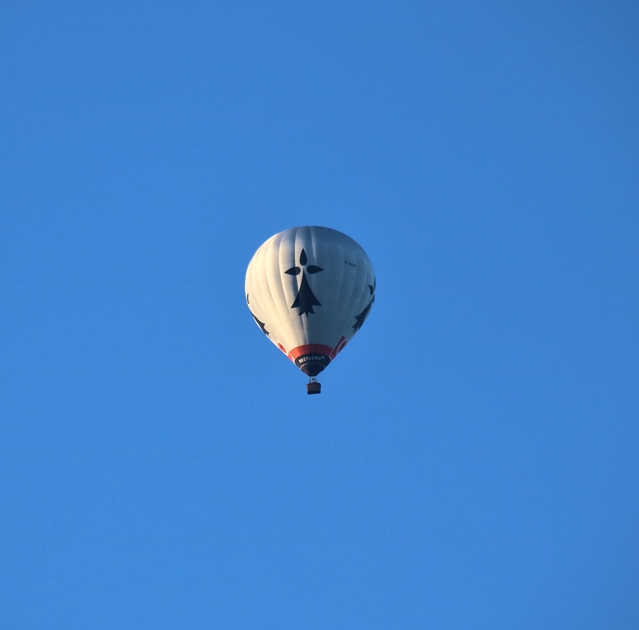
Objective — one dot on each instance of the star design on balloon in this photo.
(361, 318)
(262, 325)
(305, 299)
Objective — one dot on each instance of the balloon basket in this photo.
(313, 387)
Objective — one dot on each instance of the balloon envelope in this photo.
(310, 289)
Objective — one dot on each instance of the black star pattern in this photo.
(361, 318)
(305, 300)
(262, 325)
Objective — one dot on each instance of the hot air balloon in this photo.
(310, 289)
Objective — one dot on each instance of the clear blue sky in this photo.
(473, 459)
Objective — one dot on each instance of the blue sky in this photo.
(472, 460)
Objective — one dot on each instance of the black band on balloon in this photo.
(312, 364)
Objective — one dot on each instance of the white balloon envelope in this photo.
(310, 289)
